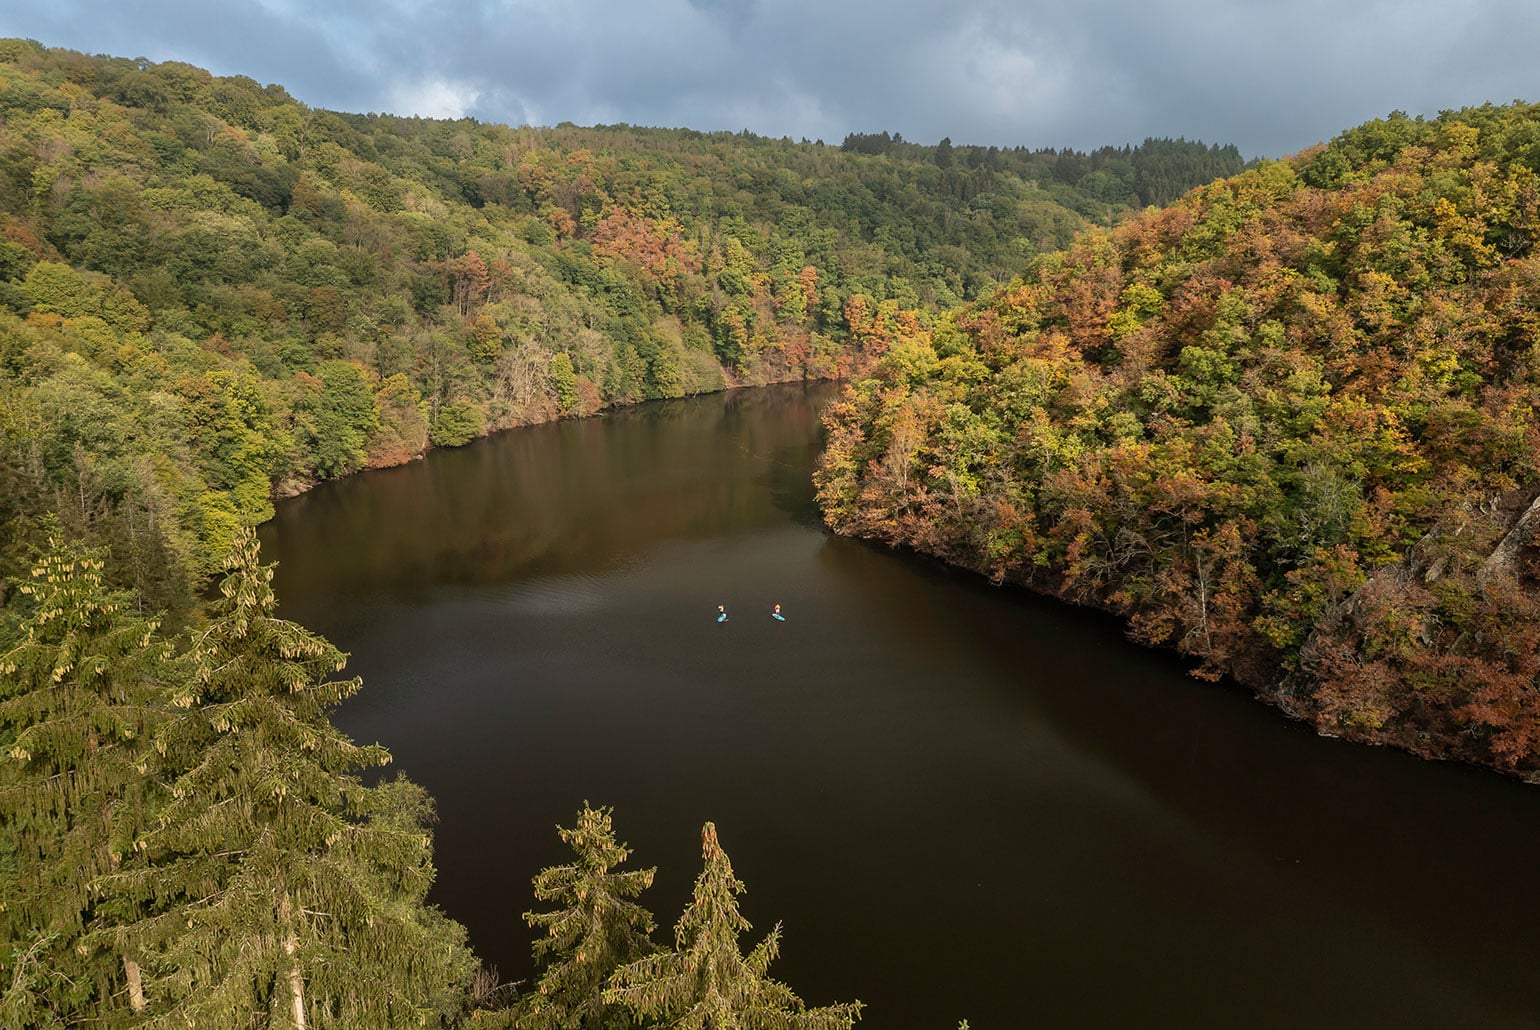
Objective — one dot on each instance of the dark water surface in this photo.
(961, 801)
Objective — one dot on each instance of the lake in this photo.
(961, 801)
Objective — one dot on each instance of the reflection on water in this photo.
(963, 802)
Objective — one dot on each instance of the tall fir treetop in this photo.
(249, 656)
(707, 983)
(597, 929)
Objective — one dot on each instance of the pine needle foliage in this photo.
(76, 707)
(707, 983)
(288, 892)
(596, 930)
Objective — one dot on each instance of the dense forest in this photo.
(1152, 174)
(1285, 426)
(212, 297)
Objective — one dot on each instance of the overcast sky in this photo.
(1271, 76)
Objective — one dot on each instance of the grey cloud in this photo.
(1270, 77)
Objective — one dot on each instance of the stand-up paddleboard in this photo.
(721, 614)
(776, 615)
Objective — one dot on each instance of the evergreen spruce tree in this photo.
(706, 983)
(597, 929)
(76, 710)
(292, 894)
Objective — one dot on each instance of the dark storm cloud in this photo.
(1271, 77)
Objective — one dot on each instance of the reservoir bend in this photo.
(961, 801)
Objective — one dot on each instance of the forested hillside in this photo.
(1286, 426)
(211, 295)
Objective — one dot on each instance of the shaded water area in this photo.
(961, 801)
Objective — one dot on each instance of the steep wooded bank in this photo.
(210, 293)
(1286, 426)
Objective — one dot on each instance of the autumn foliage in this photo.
(1286, 427)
